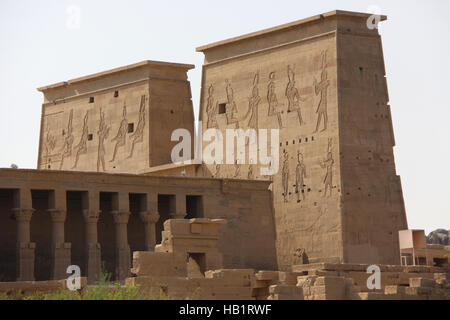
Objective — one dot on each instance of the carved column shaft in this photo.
(58, 219)
(93, 249)
(149, 220)
(123, 263)
(25, 248)
(23, 219)
(180, 207)
(61, 253)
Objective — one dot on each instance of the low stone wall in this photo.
(30, 287)
(307, 282)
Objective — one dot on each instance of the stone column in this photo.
(122, 254)
(60, 249)
(92, 250)
(180, 207)
(149, 220)
(24, 248)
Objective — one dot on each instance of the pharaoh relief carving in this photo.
(49, 144)
(328, 165)
(211, 108)
(321, 89)
(121, 135)
(285, 176)
(66, 150)
(253, 103)
(293, 96)
(250, 174)
(138, 135)
(103, 133)
(237, 170)
(300, 175)
(82, 145)
(217, 174)
(272, 99)
(231, 108)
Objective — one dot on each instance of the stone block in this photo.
(330, 281)
(267, 275)
(418, 290)
(422, 282)
(289, 278)
(395, 289)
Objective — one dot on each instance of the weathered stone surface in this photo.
(422, 282)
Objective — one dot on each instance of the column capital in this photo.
(91, 216)
(58, 215)
(121, 217)
(149, 217)
(23, 214)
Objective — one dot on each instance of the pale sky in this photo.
(41, 45)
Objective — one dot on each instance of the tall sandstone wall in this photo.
(117, 121)
(321, 81)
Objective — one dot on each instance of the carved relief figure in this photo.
(121, 135)
(103, 133)
(217, 171)
(300, 175)
(82, 146)
(285, 176)
(322, 89)
(293, 96)
(237, 169)
(272, 99)
(211, 109)
(300, 256)
(250, 174)
(138, 135)
(50, 143)
(231, 108)
(328, 164)
(253, 103)
(68, 141)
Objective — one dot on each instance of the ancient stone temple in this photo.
(105, 183)
(321, 82)
(131, 110)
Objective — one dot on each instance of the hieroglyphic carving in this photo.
(285, 176)
(322, 89)
(82, 145)
(211, 108)
(300, 175)
(103, 132)
(231, 108)
(328, 164)
(121, 135)
(138, 135)
(68, 141)
(293, 96)
(253, 103)
(273, 100)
